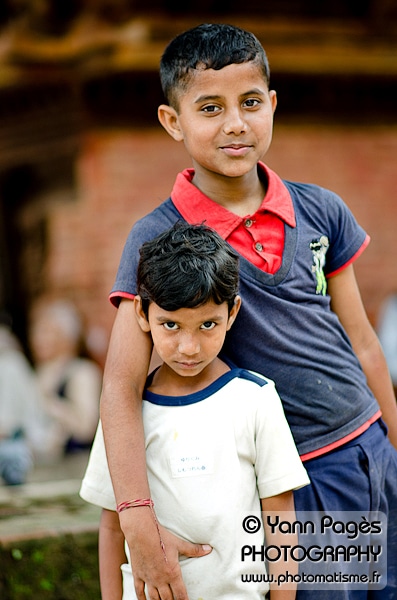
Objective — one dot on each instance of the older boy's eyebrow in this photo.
(206, 98)
(254, 92)
(213, 97)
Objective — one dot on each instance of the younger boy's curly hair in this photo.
(185, 267)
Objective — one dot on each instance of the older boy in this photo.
(302, 320)
(210, 455)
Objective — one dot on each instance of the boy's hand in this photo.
(160, 572)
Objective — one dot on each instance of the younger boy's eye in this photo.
(207, 325)
(170, 326)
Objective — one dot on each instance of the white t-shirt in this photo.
(211, 456)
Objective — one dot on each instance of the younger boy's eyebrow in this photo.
(164, 319)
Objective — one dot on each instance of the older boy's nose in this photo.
(234, 122)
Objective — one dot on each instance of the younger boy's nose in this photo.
(188, 345)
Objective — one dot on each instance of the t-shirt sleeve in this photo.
(278, 465)
(147, 228)
(96, 487)
(125, 283)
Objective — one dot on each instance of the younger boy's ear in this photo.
(168, 118)
(140, 315)
(234, 311)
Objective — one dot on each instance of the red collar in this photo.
(195, 207)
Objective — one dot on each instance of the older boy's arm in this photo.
(347, 304)
(283, 507)
(124, 378)
(111, 556)
(121, 414)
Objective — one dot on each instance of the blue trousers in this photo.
(359, 476)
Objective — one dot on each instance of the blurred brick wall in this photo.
(121, 175)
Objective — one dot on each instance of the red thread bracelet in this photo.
(134, 504)
(143, 502)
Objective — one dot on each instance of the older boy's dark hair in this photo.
(207, 46)
(186, 266)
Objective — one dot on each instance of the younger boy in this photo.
(217, 440)
(302, 321)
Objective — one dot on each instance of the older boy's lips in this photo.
(236, 149)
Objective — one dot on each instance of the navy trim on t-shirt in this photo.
(211, 389)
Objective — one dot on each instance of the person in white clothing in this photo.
(23, 433)
(69, 383)
(218, 447)
(387, 333)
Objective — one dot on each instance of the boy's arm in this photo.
(346, 302)
(111, 556)
(125, 374)
(284, 507)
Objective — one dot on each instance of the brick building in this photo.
(82, 156)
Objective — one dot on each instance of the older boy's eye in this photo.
(170, 326)
(210, 108)
(207, 325)
(251, 102)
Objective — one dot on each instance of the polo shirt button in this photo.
(258, 247)
(248, 222)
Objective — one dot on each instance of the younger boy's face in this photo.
(225, 119)
(188, 340)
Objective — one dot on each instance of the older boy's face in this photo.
(225, 120)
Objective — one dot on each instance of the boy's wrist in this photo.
(143, 503)
(138, 503)
(137, 525)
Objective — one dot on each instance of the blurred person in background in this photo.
(387, 333)
(70, 383)
(24, 438)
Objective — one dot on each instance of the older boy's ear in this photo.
(140, 315)
(234, 311)
(168, 118)
(273, 99)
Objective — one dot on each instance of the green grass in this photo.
(53, 568)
